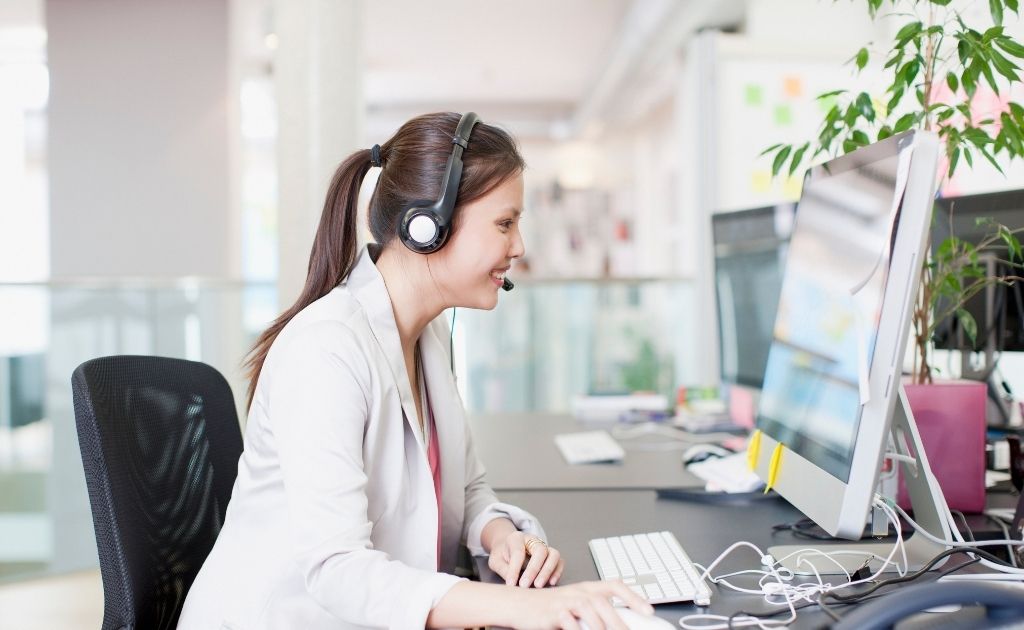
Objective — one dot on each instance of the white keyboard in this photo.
(653, 565)
(589, 447)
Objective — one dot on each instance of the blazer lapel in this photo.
(367, 286)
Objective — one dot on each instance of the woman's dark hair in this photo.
(413, 165)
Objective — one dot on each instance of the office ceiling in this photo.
(547, 69)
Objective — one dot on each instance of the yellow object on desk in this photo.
(754, 448)
(773, 467)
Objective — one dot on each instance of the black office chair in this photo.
(160, 444)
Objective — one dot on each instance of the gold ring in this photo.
(530, 542)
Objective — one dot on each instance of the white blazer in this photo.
(333, 517)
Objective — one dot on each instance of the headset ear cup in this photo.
(421, 229)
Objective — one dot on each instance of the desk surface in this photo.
(519, 453)
(571, 519)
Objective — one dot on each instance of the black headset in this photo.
(424, 225)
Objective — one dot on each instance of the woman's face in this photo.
(474, 261)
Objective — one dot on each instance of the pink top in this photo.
(434, 458)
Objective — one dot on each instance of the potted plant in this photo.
(935, 66)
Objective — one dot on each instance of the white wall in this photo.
(139, 139)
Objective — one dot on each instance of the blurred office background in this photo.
(163, 164)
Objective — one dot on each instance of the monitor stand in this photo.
(927, 502)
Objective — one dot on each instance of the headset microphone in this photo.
(507, 284)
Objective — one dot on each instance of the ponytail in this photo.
(330, 261)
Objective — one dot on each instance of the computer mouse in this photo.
(701, 452)
(637, 621)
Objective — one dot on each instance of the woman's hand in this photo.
(566, 606)
(543, 564)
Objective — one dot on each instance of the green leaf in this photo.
(988, 156)
(1018, 112)
(995, 7)
(864, 106)
(905, 122)
(992, 33)
(850, 117)
(861, 138)
(1011, 47)
(780, 159)
(970, 85)
(953, 160)
(829, 94)
(797, 157)
(905, 33)
(862, 58)
(969, 157)
(968, 324)
(908, 72)
(941, 3)
(849, 145)
(897, 96)
(986, 70)
(952, 81)
(1011, 241)
(1012, 5)
(884, 132)
(1004, 66)
(769, 149)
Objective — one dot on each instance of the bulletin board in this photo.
(764, 102)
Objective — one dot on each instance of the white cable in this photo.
(1006, 532)
(721, 622)
(901, 458)
(790, 593)
(959, 542)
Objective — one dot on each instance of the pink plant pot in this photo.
(950, 417)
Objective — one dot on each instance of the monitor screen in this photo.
(1002, 323)
(750, 251)
(824, 335)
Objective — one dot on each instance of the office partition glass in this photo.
(543, 344)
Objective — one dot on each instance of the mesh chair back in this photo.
(160, 443)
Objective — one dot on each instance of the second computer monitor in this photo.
(750, 251)
(833, 370)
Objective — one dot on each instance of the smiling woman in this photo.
(359, 481)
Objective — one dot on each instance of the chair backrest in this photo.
(160, 443)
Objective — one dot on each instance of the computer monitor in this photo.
(750, 250)
(832, 380)
(998, 311)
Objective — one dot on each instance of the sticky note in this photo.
(792, 186)
(783, 115)
(761, 181)
(773, 467)
(793, 87)
(752, 94)
(753, 449)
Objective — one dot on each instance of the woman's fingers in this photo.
(611, 619)
(516, 557)
(551, 562)
(533, 567)
(631, 599)
(589, 615)
(557, 575)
